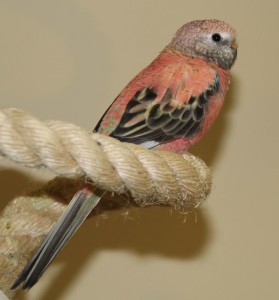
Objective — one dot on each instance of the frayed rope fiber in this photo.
(149, 177)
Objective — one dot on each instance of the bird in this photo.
(168, 106)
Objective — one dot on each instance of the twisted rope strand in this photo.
(114, 166)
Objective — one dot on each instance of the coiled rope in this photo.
(149, 177)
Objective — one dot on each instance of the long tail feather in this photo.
(77, 211)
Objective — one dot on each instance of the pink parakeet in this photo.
(168, 106)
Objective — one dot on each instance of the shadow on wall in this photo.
(154, 231)
(14, 183)
(209, 147)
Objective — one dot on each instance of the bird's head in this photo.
(212, 40)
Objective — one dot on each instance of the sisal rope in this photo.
(143, 176)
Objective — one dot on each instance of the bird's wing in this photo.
(169, 108)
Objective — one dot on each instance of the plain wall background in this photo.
(68, 60)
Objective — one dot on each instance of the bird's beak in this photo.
(234, 44)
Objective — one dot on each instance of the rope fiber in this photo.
(143, 177)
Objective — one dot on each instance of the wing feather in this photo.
(149, 118)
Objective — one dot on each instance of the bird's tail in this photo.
(77, 211)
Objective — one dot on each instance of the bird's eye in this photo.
(216, 37)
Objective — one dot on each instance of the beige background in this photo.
(67, 60)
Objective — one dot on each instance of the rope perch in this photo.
(113, 166)
(150, 177)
